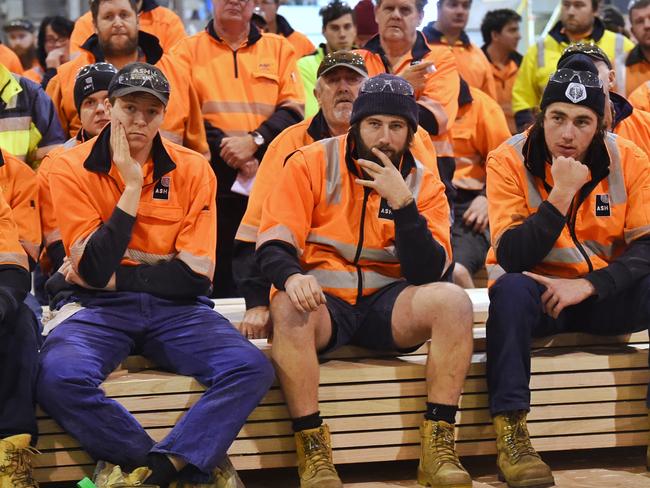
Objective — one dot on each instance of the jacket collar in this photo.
(622, 108)
(100, 161)
(9, 85)
(433, 35)
(419, 50)
(83, 136)
(635, 56)
(514, 55)
(351, 156)
(2, 158)
(464, 96)
(596, 34)
(254, 33)
(148, 5)
(318, 128)
(148, 44)
(284, 28)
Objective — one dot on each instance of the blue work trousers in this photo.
(516, 316)
(186, 338)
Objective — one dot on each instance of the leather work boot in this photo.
(16, 462)
(225, 476)
(518, 463)
(109, 475)
(315, 466)
(439, 464)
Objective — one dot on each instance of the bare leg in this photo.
(462, 277)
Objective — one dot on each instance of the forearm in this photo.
(278, 261)
(248, 276)
(15, 283)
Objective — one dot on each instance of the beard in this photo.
(365, 152)
(110, 49)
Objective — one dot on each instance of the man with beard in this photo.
(21, 40)
(354, 238)
(578, 23)
(118, 41)
(568, 211)
(339, 78)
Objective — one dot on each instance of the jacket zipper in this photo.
(366, 193)
(234, 58)
(571, 224)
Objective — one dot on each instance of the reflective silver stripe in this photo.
(438, 111)
(33, 250)
(15, 123)
(77, 248)
(598, 249)
(414, 179)
(564, 255)
(494, 271)
(637, 232)
(53, 236)
(246, 233)
(294, 105)
(147, 257)
(615, 180)
(332, 170)
(231, 107)
(348, 279)
(517, 142)
(70, 143)
(14, 258)
(619, 64)
(443, 147)
(540, 53)
(278, 233)
(202, 265)
(172, 136)
(348, 251)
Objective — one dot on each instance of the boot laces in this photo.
(317, 453)
(517, 439)
(441, 443)
(17, 464)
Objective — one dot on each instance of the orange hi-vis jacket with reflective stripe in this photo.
(183, 123)
(176, 216)
(293, 138)
(12, 252)
(480, 127)
(20, 191)
(158, 21)
(599, 227)
(440, 94)
(253, 81)
(630, 122)
(343, 234)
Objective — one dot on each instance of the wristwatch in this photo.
(258, 138)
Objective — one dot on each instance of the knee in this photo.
(515, 288)
(285, 316)
(451, 304)
(58, 376)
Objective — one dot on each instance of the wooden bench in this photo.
(588, 392)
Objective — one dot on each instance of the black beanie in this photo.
(578, 88)
(386, 94)
(91, 79)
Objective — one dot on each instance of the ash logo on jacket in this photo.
(385, 212)
(602, 206)
(161, 190)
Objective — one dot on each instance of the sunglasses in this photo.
(101, 67)
(143, 77)
(587, 78)
(400, 87)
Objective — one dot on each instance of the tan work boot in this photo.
(439, 464)
(225, 476)
(16, 462)
(518, 463)
(109, 475)
(315, 466)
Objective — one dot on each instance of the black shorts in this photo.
(469, 248)
(366, 324)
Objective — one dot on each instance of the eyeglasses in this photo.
(103, 67)
(381, 85)
(144, 76)
(50, 41)
(566, 75)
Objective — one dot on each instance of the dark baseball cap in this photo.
(140, 78)
(586, 48)
(346, 59)
(22, 24)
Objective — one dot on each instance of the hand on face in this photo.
(386, 180)
(569, 175)
(128, 167)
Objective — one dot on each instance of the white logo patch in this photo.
(576, 92)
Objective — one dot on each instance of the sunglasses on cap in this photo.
(587, 78)
(144, 77)
(101, 67)
(588, 49)
(398, 86)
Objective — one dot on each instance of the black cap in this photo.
(386, 94)
(576, 81)
(22, 24)
(140, 78)
(91, 79)
(588, 49)
(346, 59)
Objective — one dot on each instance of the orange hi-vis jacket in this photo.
(20, 191)
(631, 123)
(637, 71)
(300, 42)
(253, 81)
(504, 80)
(440, 94)
(480, 127)
(12, 252)
(10, 60)
(600, 225)
(472, 63)
(343, 234)
(153, 19)
(176, 217)
(293, 138)
(182, 124)
(640, 97)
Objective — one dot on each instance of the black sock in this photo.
(163, 471)
(312, 421)
(437, 411)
